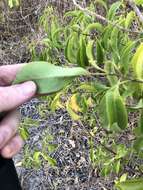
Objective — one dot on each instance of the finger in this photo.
(8, 73)
(13, 96)
(12, 147)
(8, 128)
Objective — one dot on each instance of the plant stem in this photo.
(104, 146)
(136, 10)
(115, 74)
(103, 18)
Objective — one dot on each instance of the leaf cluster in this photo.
(113, 59)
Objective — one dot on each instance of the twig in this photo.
(136, 10)
(103, 145)
(84, 34)
(117, 75)
(103, 18)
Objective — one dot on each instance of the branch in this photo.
(117, 75)
(103, 18)
(136, 10)
(90, 12)
(93, 137)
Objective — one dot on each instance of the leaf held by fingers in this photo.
(48, 78)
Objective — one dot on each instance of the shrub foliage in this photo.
(111, 50)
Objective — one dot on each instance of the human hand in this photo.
(12, 96)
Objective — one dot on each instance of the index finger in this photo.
(8, 73)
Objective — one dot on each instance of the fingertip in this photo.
(12, 148)
(28, 88)
(15, 95)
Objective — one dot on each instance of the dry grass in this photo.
(20, 24)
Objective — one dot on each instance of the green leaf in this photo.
(93, 27)
(137, 65)
(109, 68)
(72, 47)
(121, 111)
(112, 110)
(102, 111)
(87, 87)
(138, 144)
(114, 41)
(36, 156)
(102, 3)
(99, 53)
(138, 106)
(57, 38)
(118, 165)
(121, 151)
(126, 54)
(123, 177)
(13, 3)
(136, 184)
(73, 13)
(140, 122)
(93, 87)
(90, 51)
(82, 59)
(106, 37)
(137, 62)
(129, 19)
(52, 147)
(139, 2)
(51, 161)
(49, 78)
(113, 9)
(55, 104)
(24, 133)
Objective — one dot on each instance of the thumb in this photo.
(13, 96)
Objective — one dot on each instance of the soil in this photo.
(73, 171)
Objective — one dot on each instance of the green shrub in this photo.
(113, 54)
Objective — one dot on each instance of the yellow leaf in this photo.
(71, 112)
(73, 103)
(137, 64)
(90, 102)
(56, 103)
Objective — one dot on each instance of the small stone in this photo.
(72, 143)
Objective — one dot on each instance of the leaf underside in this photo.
(48, 78)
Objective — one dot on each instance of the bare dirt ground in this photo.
(73, 171)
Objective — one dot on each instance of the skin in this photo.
(12, 96)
